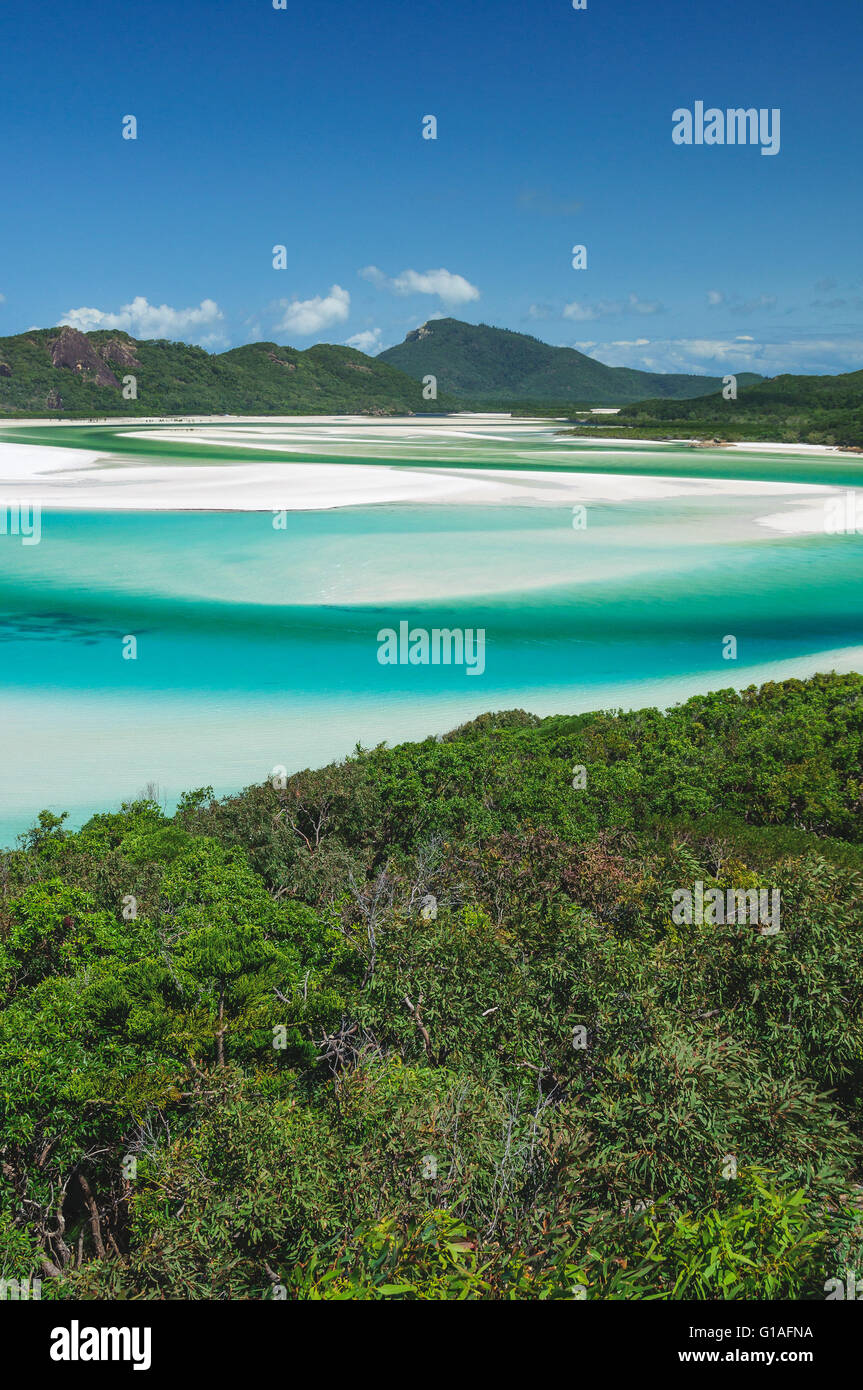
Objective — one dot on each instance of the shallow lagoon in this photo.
(257, 646)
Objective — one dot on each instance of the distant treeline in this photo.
(786, 409)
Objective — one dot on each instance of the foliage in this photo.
(785, 409)
(495, 367)
(182, 379)
(423, 1025)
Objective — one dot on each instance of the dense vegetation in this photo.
(494, 368)
(785, 409)
(179, 379)
(421, 1024)
(62, 373)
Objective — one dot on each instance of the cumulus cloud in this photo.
(452, 289)
(306, 316)
(375, 277)
(610, 308)
(144, 320)
(716, 356)
(582, 313)
(369, 340)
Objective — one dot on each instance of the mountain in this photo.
(63, 372)
(787, 409)
(485, 365)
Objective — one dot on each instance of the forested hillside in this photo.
(785, 409)
(496, 368)
(423, 1024)
(64, 373)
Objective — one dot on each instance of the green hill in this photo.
(488, 366)
(62, 372)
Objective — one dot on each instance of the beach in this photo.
(255, 562)
(408, 460)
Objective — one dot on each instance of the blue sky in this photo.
(303, 127)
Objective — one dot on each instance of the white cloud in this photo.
(375, 277)
(144, 320)
(610, 308)
(715, 356)
(369, 340)
(452, 289)
(2, 299)
(581, 313)
(311, 315)
(715, 297)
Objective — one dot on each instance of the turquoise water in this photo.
(257, 647)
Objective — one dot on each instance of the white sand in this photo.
(821, 519)
(814, 449)
(45, 475)
(409, 426)
(77, 479)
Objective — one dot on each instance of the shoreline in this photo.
(173, 741)
(751, 446)
(87, 480)
(433, 420)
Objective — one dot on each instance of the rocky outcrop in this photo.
(74, 351)
(119, 351)
(85, 371)
(5, 369)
